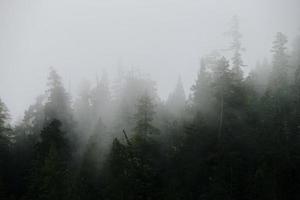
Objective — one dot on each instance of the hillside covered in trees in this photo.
(234, 135)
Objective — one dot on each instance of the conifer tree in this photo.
(58, 104)
(51, 175)
(236, 48)
(144, 116)
(201, 91)
(88, 182)
(4, 151)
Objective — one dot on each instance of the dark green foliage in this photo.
(5, 157)
(136, 165)
(58, 104)
(144, 116)
(51, 173)
(88, 183)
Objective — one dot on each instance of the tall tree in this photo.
(221, 82)
(133, 88)
(236, 47)
(117, 171)
(276, 109)
(4, 116)
(51, 175)
(280, 61)
(58, 104)
(201, 91)
(34, 117)
(144, 116)
(278, 92)
(143, 153)
(88, 181)
(4, 151)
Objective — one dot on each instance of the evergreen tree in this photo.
(144, 116)
(4, 151)
(144, 154)
(133, 88)
(3, 118)
(201, 91)
(280, 61)
(236, 48)
(34, 117)
(58, 104)
(51, 175)
(88, 183)
(117, 172)
(278, 93)
(220, 84)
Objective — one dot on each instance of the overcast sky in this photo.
(164, 38)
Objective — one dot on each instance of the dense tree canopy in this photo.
(236, 136)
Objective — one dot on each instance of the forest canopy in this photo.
(234, 135)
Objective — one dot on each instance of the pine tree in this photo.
(3, 117)
(220, 85)
(201, 91)
(51, 175)
(236, 48)
(144, 116)
(117, 172)
(34, 117)
(88, 182)
(4, 151)
(58, 104)
(280, 61)
(133, 88)
(278, 92)
(144, 152)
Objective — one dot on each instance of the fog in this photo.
(162, 38)
(146, 100)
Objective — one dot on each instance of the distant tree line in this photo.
(236, 136)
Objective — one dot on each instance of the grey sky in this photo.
(164, 38)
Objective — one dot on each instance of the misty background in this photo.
(162, 38)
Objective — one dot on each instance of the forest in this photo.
(235, 135)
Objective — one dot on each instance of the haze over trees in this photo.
(234, 135)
